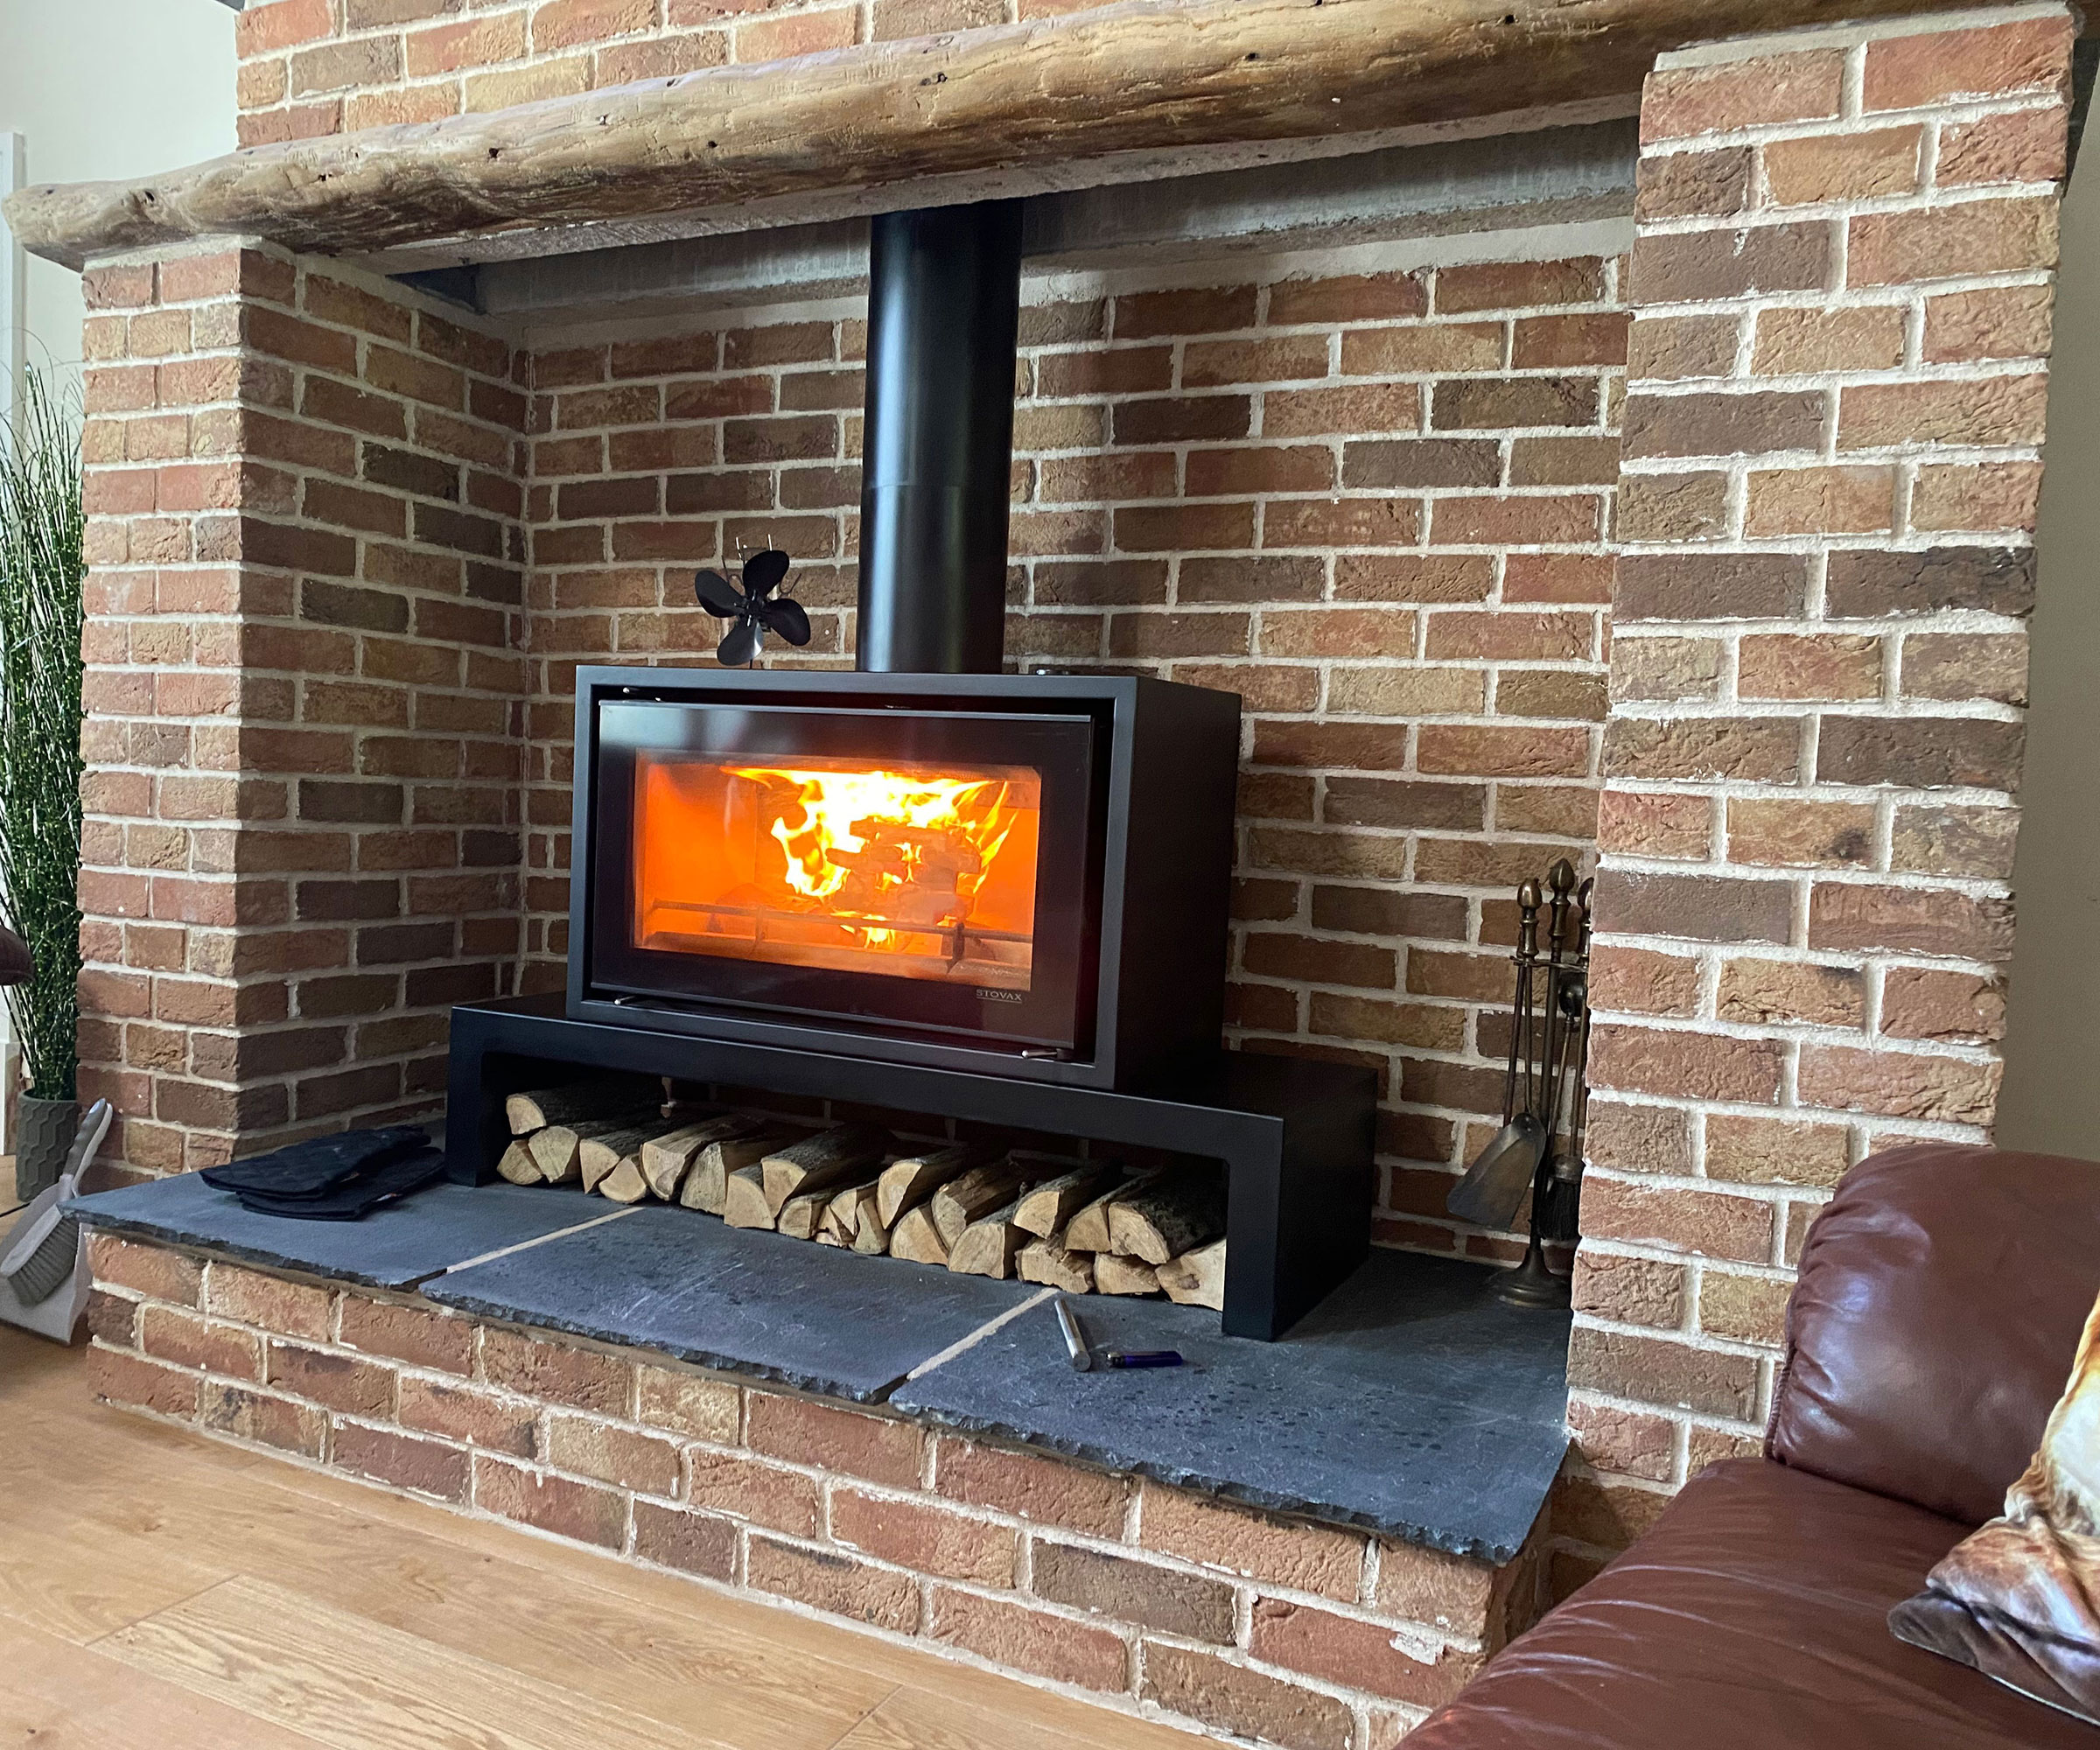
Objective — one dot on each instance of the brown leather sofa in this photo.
(1941, 1300)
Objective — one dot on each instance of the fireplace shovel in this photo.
(1494, 1190)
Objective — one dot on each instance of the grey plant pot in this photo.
(44, 1131)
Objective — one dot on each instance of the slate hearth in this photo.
(1411, 1404)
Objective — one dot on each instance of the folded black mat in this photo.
(360, 1196)
(321, 1166)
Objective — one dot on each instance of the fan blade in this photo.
(740, 645)
(718, 595)
(786, 617)
(763, 572)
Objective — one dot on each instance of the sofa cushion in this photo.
(1941, 1297)
(1754, 1615)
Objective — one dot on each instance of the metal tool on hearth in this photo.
(1556, 1186)
(1493, 1190)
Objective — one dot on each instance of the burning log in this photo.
(707, 1182)
(1197, 1278)
(603, 1097)
(916, 1239)
(1088, 1231)
(987, 1246)
(917, 1177)
(1045, 1210)
(667, 1159)
(973, 1195)
(1174, 1214)
(743, 1203)
(518, 1166)
(824, 1161)
(1115, 1274)
(1046, 1262)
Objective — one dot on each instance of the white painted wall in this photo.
(2052, 1094)
(106, 88)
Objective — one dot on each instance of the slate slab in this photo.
(396, 1246)
(744, 1301)
(1412, 1402)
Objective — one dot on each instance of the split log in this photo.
(1115, 1274)
(600, 1151)
(801, 1213)
(916, 1239)
(1046, 1262)
(666, 1159)
(825, 1161)
(973, 1195)
(840, 1221)
(557, 1149)
(917, 1177)
(602, 1097)
(518, 1166)
(987, 1246)
(1088, 1231)
(871, 1236)
(1045, 1210)
(707, 1182)
(625, 1184)
(1152, 75)
(743, 1203)
(1197, 1278)
(1174, 1214)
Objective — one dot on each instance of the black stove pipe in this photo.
(943, 305)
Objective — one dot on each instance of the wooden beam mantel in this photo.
(1146, 75)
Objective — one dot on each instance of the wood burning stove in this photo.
(1018, 873)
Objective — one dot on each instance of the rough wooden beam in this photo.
(1145, 75)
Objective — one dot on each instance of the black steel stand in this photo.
(1295, 1134)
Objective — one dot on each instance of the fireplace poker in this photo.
(1081, 1352)
(1076, 1339)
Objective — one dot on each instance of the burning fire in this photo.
(908, 850)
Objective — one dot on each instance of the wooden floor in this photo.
(158, 1592)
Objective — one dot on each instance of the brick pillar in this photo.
(1841, 286)
(303, 744)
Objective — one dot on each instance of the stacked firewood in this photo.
(973, 1207)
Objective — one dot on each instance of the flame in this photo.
(866, 839)
(920, 871)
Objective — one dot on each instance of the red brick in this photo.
(620, 1456)
(132, 1381)
(1041, 1489)
(192, 1342)
(1899, 1084)
(1686, 1065)
(1274, 1552)
(580, 1378)
(1012, 1635)
(416, 1335)
(291, 1308)
(833, 1582)
(804, 1432)
(263, 1420)
(1706, 1224)
(582, 1511)
(1683, 102)
(927, 1539)
(1230, 1699)
(357, 1388)
(1361, 1654)
(1930, 67)
(152, 1271)
(424, 1467)
(462, 1413)
(692, 1543)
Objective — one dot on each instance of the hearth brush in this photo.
(1493, 1190)
(41, 1259)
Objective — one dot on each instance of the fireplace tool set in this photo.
(1538, 1148)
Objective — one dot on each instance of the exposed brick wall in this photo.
(1130, 1593)
(302, 838)
(1373, 505)
(1842, 288)
(321, 66)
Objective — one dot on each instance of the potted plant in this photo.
(42, 568)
